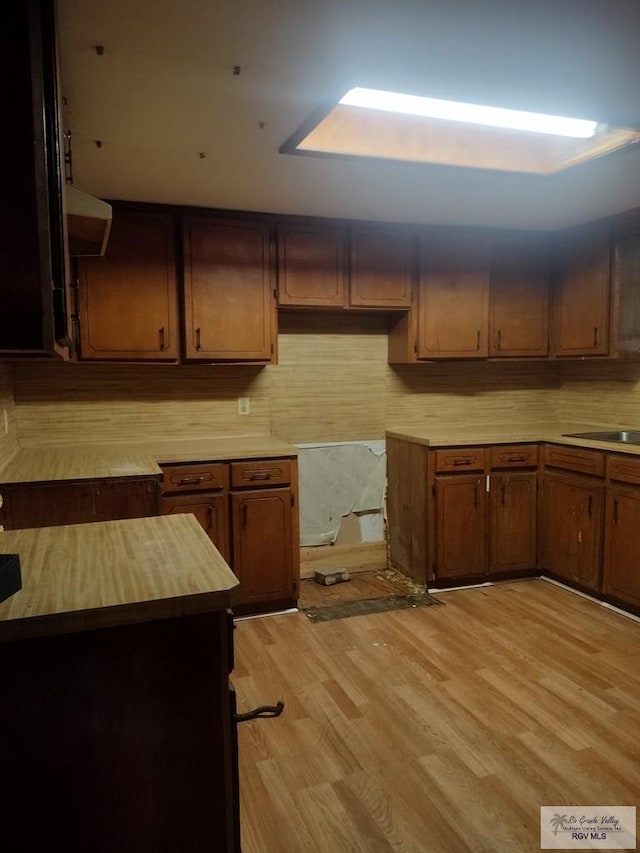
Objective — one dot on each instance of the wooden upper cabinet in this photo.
(381, 270)
(311, 266)
(453, 296)
(228, 290)
(519, 297)
(582, 277)
(128, 299)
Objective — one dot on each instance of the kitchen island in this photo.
(116, 720)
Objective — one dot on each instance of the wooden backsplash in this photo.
(332, 383)
(8, 440)
(603, 393)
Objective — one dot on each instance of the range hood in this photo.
(88, 222)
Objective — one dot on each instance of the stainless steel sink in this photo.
(622, 436)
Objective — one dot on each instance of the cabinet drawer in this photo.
(624, 468)
(460, 459)
(514, 456)
(574, 459)
(211, 476)
(270, 472)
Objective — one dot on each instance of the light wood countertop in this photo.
(85, 576)
(455, 435)
(89, 462)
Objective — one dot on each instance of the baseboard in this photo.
(366, 556)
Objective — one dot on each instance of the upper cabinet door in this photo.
(33, 266)
(382, 267)
(453, 296)
(582, 277)
(228, 290)
(311, 267)
(519, 297)
(128, 299)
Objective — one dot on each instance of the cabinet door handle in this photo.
(209, 517)
(595, 336)
(499, 341)
(462, 462)
(261, 711)
(615, 511)
(162, 342)
(590, 506)
(260, 475)
(244, 515)
(503, 489)
(190, 481)
(475, 495)
(478, 340)
(516, 458)
(198, 341)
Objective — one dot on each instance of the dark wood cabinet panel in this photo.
(77, 502)
(581, 303)
(136, 725)
(33, 273)
(460, 526)
(228, 290)
(573, 512)
(622, 545)
(311, 266)
(211, 511)
(453, 297)
(519, 298)
(382, 267)
(128, 299)
(262, 544)
(512, 522)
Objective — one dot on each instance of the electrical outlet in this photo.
(244, 406)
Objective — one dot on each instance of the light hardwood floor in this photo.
(437, 729)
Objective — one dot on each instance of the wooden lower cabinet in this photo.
(573, 513)
(262, 545)
(124, 737)
(76, 502)
(460, 526)
(512, 521)
(211, 511)
(622, 545)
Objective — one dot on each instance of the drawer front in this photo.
(514, 456)
(460, 459)
(267, 472)
(210, 476)
(624, 468)
(574, 459)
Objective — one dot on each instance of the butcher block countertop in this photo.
(86, 576)
(90, 462)
(455, 435)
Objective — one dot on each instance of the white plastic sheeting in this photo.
(337, 479)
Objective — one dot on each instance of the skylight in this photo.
(414, 105)
(376, 124)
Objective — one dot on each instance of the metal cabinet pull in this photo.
(516, 458)
(190, 481)
(615, 511)
(590, 507)
(260, 475)
(198, 339)
(595, 336)
(499, 342)
(478, 339)
(162, 341)
(462, 461)
(262, 711)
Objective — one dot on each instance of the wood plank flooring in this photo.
(437, 729)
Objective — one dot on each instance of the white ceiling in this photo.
(164, 90)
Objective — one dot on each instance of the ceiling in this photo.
(163, 93)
